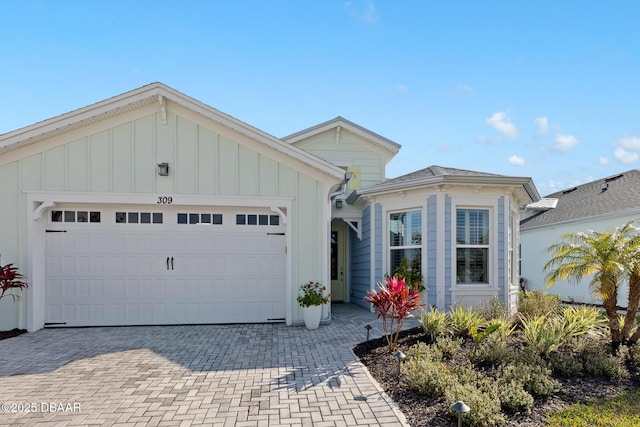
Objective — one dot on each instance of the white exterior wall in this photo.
(118, 156)
(534, 256)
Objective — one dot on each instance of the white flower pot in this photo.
(312, 316)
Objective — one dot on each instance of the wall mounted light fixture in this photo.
(163, 169)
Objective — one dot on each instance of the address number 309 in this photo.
(165, 200)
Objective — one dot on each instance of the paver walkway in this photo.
(217, 375)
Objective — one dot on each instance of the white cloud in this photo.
(366, 12)
(543, 125)
(625, 156)
(516, 160)
(603, 160)
(399, 88)
(464, 88)
(565, 142)
(500, 122)
(630, 143)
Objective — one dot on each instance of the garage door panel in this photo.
(118, 275)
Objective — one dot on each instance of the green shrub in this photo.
(448, 346)
(566, 364)
(514, 399)
(434, 322)
(484, 401)
(495, 350)
(493, 309)
(600, 363)
(631, 356)
(507, 327)
(462, 382)
(538, 303)
(462, 320)
(535, 379)
(428, 377)
(543, 334)
(582, 320)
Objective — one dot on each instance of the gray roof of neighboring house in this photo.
(616, 193)
(434, 175)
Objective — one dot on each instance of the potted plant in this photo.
(311, 297)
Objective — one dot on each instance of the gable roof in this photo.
(433, 175)
(615, 194)
(154, 93)
(374, 138)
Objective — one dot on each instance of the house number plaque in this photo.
(165, 200)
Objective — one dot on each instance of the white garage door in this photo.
(136, 266)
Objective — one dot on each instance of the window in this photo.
(472, 246)
(405, 240)
(200, 218)
(138, 217)
(75, 216)
(255, 219)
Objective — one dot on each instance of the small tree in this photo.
(394, 299)
(608, 257)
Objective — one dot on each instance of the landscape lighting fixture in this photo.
(461, 408)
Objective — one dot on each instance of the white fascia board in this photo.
(256, 134)
(151, 93)
(77, 116)
(366, 134)
(383, 188)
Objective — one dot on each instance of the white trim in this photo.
(372, 249)
(36, 234)
(440, 249)
(491, 288)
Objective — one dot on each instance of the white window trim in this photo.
(492, 265)
(387, 210)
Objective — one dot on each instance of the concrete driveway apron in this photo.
(216, 375)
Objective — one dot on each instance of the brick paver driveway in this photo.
(226, 375)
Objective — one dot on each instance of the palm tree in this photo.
(609, 257)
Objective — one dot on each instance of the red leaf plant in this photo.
(10, 279)
(394, 300)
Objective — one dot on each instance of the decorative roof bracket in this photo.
(163, 108)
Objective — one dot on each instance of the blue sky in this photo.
(545, 89)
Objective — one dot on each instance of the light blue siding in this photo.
(379, 268)
(431, 275)
(361, 261)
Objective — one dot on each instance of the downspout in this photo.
(343, 186)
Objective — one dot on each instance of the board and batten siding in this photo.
(347, 150)
(361, 261)
(122, 155)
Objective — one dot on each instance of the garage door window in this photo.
(75, 216)
(200, 218)
(139, 218)
(251, 219)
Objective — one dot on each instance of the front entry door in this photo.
(338, 261)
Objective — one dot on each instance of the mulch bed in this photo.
(429, 411)
(12, 333)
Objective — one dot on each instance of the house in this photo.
(599, 205)
(153, 208)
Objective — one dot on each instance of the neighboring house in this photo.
(153, 208)
(599, 205)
